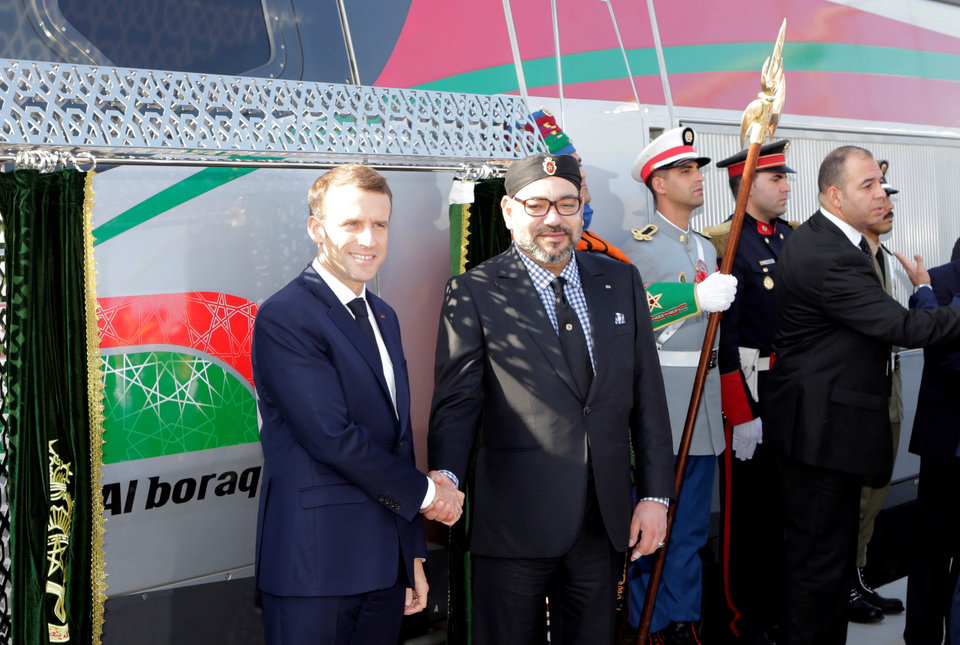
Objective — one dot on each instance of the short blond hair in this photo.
(351, 174)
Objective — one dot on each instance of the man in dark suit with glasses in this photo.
(546, 359)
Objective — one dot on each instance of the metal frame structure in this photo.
(122, 115)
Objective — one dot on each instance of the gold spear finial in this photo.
(761, 116)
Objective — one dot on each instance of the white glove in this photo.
(746, 436)
(716, 292)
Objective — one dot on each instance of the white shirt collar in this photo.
(343, 293)
(852, 234)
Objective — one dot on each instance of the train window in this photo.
(213, 36)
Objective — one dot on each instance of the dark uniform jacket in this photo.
(749, 322)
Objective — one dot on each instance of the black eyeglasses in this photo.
(540, 206)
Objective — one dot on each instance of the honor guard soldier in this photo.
(865, 605)
(671, 256)
(751, 529)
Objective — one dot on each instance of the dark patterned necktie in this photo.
(359, 308)
(572, 339)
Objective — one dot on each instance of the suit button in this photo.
(587, 410)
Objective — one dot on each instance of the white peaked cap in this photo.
(672, 148)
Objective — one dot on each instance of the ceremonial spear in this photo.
(759, 122)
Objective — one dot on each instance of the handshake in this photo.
(447, 505)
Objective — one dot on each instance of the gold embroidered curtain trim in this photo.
(95, 377)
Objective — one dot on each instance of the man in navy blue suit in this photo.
(936, 438)
(339, 534)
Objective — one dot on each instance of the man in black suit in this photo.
(339, 532)
(936, 438)
(826, 412)
(546, 358)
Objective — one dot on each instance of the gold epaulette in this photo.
(644, 234)
(718, 236)
(791, 223)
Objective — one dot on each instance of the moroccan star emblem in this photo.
(653, 301)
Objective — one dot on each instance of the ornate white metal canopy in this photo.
(111, 112)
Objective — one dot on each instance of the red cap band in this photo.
(765, 161)
(649, 167)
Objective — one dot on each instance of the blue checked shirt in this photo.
(573, 291)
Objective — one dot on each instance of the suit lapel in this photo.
(820, 221)
(526, 307)
(346, 323)
(390, 332)
(601, 308)
(841, 238)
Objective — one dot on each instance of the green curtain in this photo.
(477, 233)
(53, 398)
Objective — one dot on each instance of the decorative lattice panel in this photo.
(129, 112)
